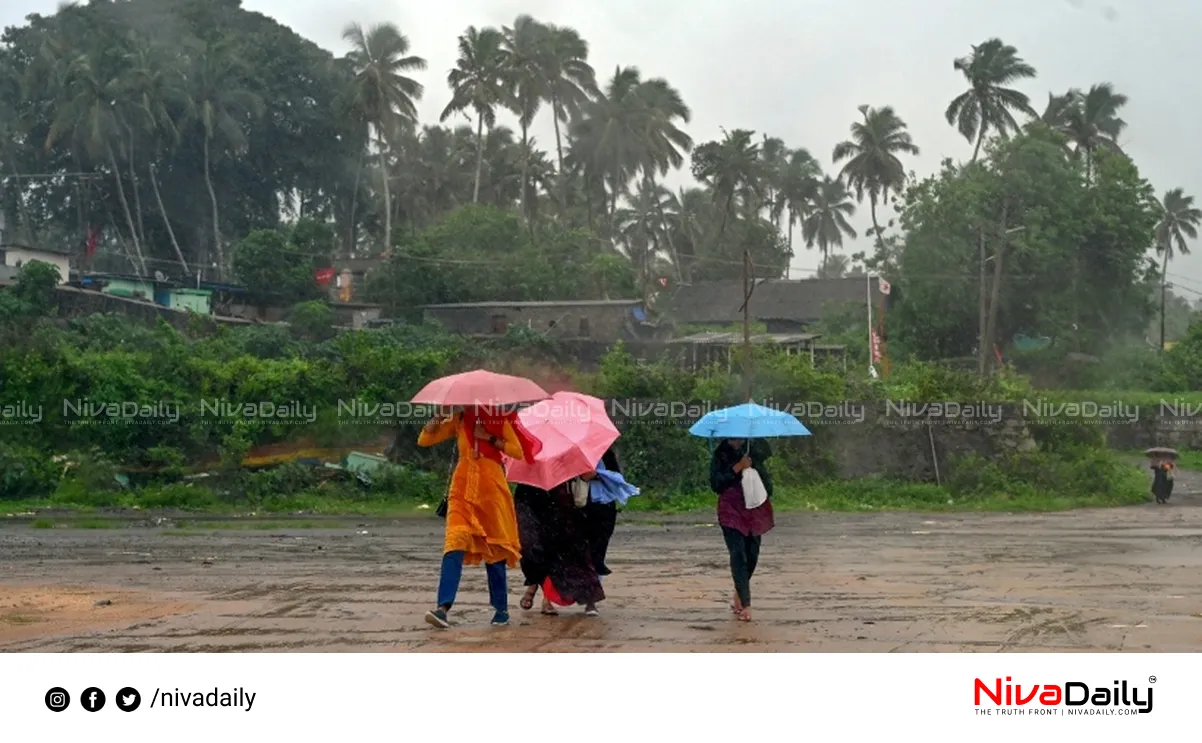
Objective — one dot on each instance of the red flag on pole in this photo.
(93, 237)
(324, 276)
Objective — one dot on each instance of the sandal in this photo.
(527, 602)
(736, 606)
(549, 609)
(743, 615)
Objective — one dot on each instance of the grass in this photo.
(883, 495)
(863, 495)
(1042, 481)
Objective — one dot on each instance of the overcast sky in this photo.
(797, 69)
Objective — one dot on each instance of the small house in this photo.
(784, 306)
(130, 287)
(14, 257)
(199, 301)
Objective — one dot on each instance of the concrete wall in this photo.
(605, 322)
(354, 315)
(912, 449)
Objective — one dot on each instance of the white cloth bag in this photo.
(580, 492)
(754, 492)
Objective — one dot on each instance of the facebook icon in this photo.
(92, 699)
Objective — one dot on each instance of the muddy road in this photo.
(1125, 579)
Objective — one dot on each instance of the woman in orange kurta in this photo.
(481, 521)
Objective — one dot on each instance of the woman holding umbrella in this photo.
(742, 527)
(743, 484)
(481, 522)
(567, 501)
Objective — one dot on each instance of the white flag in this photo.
(884, 286)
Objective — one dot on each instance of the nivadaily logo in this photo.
(1072, 698)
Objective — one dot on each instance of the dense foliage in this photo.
(193, 136)
(177, 128)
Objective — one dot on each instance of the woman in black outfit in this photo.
(565, 543)
(600, 519)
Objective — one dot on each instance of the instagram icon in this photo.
(57, 699)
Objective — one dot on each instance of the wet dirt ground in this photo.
(1103, 580)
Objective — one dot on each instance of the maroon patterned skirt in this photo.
(733, 513)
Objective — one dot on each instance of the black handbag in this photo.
(441, 511)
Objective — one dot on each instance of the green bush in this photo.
(399, 482)
(1068, 472)
(26, 472)
(286, 480)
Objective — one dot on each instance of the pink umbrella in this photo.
(479, 388)
(575, 432)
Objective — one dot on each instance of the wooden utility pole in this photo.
(747, 324)
(1164, 285)
(981, 310)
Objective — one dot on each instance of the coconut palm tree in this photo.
(640, 225)
(478, 82)
(666, 141)
(382, 94)
(151, 89)
(826, 224)
(569, 79)
(1056, 114)
(1090, 120)
(731, 167)
(630, 128)
(987, 104)
(1179, 219)
(796, 190)
(873, 166)
(775, 156)
(217, 103)
(528, 87)
(86, 116)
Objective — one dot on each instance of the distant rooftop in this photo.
(17, 246)
(551, 303)
(798, 300)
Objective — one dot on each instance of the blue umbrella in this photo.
(747, 421)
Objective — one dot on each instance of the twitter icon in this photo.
(128, 699)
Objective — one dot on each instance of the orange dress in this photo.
(481, 519)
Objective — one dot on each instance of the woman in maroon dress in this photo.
(742, 527)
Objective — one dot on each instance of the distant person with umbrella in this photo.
(1162, 472)
(741, 480)
(481, 522)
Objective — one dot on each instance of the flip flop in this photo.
(550, 610)
(527, 602)
(743, 615)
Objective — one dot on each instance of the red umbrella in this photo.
(575, 432)
(479, 388)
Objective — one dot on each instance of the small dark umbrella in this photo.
(1161, 451)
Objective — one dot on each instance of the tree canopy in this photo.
(180, 130)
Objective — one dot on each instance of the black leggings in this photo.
(744, 554)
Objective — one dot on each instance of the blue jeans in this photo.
(452, 571)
